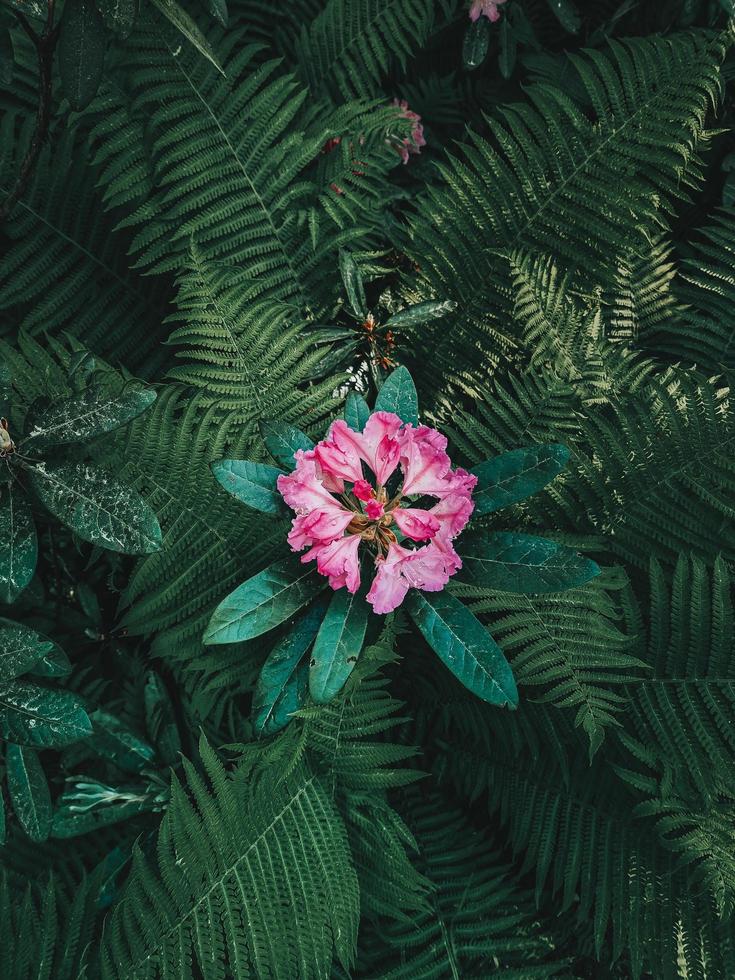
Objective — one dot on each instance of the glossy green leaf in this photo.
(21, 648)
(160, 720)
(282, 440)
(264, 601)
(338, 645)
(113, 740)
(352, 279)
(476, 43)
(18, 542)
(398, 395)
(7, 57)
(218, 10)
(252, 483)
(29, 792)
(70, 822)
(118, 15)
(81, 48)
(515, 475)
(2, 819)
(508, 47)
(464, 645)
(567, 14)
(98, 507)
(41, 716)
(511, 562)
(282, 684)
(29, 8)
(414, 316)
(54, 663)
(89, 414)
(357, 411)
(186, 25)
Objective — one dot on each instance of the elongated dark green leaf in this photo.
(18, 542)
(567, 14)
(160, 720)
(352, 279)
(118, 15)
(282, 440)
(55, 663)
(253, 483)
(113, 740)
(70, 822)
(515, 475)
(476, 43)
(98, 507)
(82, 44)
(508, 46)
(7, 57)
(218, 10)
(464, 645)
(2, 819)
(338, 645)
(357, 411)
(414, 316)
(398, 395)
(41, 716)
(21, 649)
(87, 415)
(184, 23)
(282, 683)
(264, 601)
(511, 562)
(29, 792)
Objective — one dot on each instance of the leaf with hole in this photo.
(338, 645)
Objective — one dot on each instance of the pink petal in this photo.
(424, 461)
(362, 490)
(338, 459)
(452, 513)
(419, 525)
(303, 490)
(338, 560)
(387, 454)
(428, 568)
(318, 526)
(374, 510)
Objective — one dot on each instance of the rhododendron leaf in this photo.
(185, 23)
(41, 716)
(511, 562)
(414, 316)
(357, 411)
(29, 792)
(282, 440)
(81, 51)
(160, 719)
(567, 14)
(2, 820)
(282, 684)
(476, 43)
(515, 475)
(55, 663)
(352, 279)
(253, 483)
(398, 395)
(21, 649)
(87, 415)
(464, 645)
(18, 542)
(113, 740)
(264, 601)
(508, 48)
(97, 507)
(337, 645)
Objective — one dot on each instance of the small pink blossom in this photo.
(338, 509)
(414, 142)
(485, 8)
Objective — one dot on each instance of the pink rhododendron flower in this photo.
(351, 490)
(485, 8)
(414, 142)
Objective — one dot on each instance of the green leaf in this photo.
(515, 475)
(338, 645)
(87, 415)
(357, 411)
(476, 43)
(567, 14)
(252, 483)
(510, 562)
(282, 440)
(82, 44)
(18, 542)
(281, 686)
(21, 649)
(507, 53)
(29, 792)
(97, 507)
(398, 395)
(2, 819)
(414, 316)
(184, 23)
(118, 15)
(55, 663)
(29, 8)
(218, 10)
(464, 645)
(352, 279)
(7, 57)
(69, 822)
(113, 740)
(264, 601)
(160, 720)
(41, 716)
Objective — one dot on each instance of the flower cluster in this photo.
(485, 8)
(338, 509)
(414, 142)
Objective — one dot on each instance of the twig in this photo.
(45, 44)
